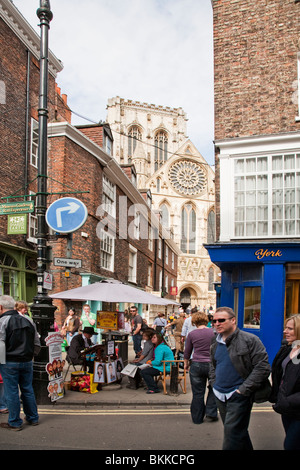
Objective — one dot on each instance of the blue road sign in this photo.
(66, 215)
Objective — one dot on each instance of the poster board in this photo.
(54, 367)
(107, 320)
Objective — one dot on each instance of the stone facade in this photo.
(154, 139)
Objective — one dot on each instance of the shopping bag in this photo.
(129, 370)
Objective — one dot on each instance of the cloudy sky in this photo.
(153, 51)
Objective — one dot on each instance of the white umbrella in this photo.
(112, 291)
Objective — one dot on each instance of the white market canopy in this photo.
(112, 291)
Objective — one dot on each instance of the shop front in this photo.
(261, 282)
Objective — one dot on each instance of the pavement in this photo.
(119, 395)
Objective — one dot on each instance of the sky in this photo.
(154, 51)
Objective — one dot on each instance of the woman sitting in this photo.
(143, 356)
(162, 352)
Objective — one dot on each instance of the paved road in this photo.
(134, 429)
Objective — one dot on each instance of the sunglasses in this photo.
(220, 320)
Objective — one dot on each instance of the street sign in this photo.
(66, 215)
(16, 207)
(67, 262)
(47, 282)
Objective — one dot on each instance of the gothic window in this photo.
(164, 215)
(187, 177)
(161, 149)
(188, 229)
(134, 134)
(211, 227)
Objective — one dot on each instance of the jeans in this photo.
(292, 431)
(137, 341)
(3, 404)
(148, 375)
(235, 414)
(15, 375)
(198, 377)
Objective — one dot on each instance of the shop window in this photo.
(292, 289)
(252, 307)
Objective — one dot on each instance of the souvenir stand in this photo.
(102, 363)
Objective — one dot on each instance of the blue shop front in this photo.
(261, 282)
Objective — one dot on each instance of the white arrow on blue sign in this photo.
(66, 215)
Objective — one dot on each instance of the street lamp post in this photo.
(42, 308)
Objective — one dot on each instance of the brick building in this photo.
(257, 156)
(79, 164)
(19, 84)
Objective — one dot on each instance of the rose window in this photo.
(187, 177)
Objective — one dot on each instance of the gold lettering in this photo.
(260, 254)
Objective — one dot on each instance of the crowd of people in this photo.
(229, 370)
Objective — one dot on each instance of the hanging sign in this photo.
(17, 224)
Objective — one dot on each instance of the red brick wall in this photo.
(256, 43)
(255, 54)
(13, 145)
(77, 170)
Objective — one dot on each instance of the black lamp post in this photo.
(42, 308)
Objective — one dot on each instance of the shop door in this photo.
(292, 289)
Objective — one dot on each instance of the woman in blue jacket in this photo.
(162, 352)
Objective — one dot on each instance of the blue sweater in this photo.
(227, 378)
(162, 353)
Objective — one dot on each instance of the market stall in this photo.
(110, 357)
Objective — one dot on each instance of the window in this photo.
(164, 211)
(159, 247)
(109, 197)
(161, 149)
(132, 264)
(32, 223)
(134, 134)
(188, 229)
(167, 254)
(247, 282)
(252, 307)
(173, 260)
(107, 248)
(166, 284)
(108, 145)
(8, 276)
(150, 238)
(267, 196)
(211, 227)
(149, 279)
(160, 281)
(34, 143)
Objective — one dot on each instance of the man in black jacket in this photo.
(78, 344)
(239, 368)
(19, 342)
